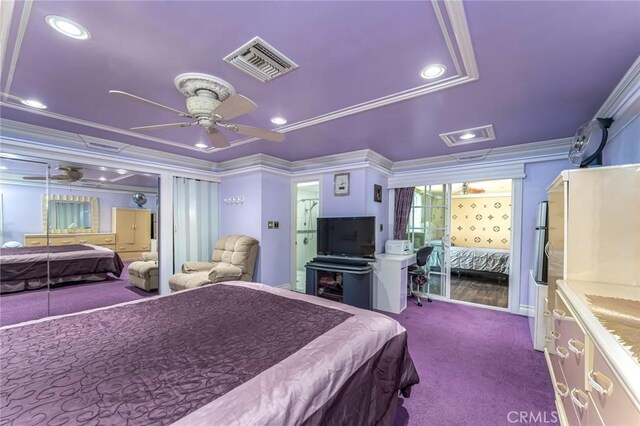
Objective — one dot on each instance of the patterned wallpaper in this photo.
(481, 222)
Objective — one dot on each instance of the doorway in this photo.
(307, 206)
(469, 226)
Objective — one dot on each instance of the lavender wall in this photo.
(624, 148)
(22, 207)
(534, 189)
(353, 204)
(379, 210)
(243, 219)
(276, 206)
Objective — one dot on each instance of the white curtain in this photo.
(195, 220)
(64, 214)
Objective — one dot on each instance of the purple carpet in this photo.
(32, 304)
(476, 367)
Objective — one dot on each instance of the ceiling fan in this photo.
(69, 174)
(211, 101)
(467, 189)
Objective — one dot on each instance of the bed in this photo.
(33, 267)
(234, 353)
(479, 260)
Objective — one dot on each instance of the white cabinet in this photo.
(390, 282)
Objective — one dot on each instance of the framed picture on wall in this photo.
(341, 184)
(377, 193)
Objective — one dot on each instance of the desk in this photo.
(390, 281)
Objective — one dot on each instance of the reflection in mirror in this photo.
(70, 213)
(24, 287)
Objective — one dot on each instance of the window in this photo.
(427, 219)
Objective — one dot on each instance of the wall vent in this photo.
(470, 156)
(260, 60)
(102, 144)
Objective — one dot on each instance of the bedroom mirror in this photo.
(24, 268)
(96, 229)
(70, 213)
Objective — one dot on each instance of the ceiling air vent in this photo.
(467, 136)
(260, 60)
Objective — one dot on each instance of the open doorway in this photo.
(307, 206)
(480, 248)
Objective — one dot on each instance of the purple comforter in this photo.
(193, 356)
(30, 267)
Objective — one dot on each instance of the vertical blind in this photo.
(195, 220)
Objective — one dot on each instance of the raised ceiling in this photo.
(534, 70)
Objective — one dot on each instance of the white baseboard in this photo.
(526, 310)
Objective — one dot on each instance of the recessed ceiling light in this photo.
(121, 171)
(67, 27)
(467, 136)
(202, 145)
(433, 71)
(102, 178)
(279, 120)
(33, 103)
(103, 168)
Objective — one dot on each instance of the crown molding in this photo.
(624, 94)
(32, 140)
(15, 53)
(553, 149)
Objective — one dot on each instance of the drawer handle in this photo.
(66, 242)
(548, 339)
(562, 389)
(559, 313)
(555, 334)
(576, 346)
(579, 399)
(83, 241)
(547, 313)
(601, 383)
(35, 243)
(562, 352)
(108, 240)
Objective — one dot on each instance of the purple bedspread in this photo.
(47, 249)
(151, 362)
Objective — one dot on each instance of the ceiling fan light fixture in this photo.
(68, 27)
(33, 103)
(432, 71)
(279, 120)
(102, 178)
(202, 145)
(467, 136)
(121, 171)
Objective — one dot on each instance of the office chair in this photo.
(422, 270)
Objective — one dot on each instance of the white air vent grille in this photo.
(102, 144)
(470, 156)
(260, 60)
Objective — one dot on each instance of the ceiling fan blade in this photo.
(255, 132)
(147, 101)
(162, 126)
(234, 106)
(217, 139)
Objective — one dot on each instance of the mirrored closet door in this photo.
(24, 274)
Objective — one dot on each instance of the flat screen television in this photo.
(347, 236)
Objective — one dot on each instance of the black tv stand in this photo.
(355, 261)
(347, 282)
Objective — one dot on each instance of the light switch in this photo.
(276, 224)
(270, 224)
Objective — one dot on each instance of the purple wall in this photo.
(534, 189)
(22, 206)
(353, 204)
(624, 148)
(379, 210)
(267, 197)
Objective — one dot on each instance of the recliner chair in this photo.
(233, 259)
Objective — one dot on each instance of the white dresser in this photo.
(390, 281)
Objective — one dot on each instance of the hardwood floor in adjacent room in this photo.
(475, 289)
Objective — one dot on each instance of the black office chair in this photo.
(421, 270)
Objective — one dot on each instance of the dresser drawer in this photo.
(613, 404)
(62, 241)
(100, 240)
(35, 242)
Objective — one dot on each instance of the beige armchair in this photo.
(234, 259)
